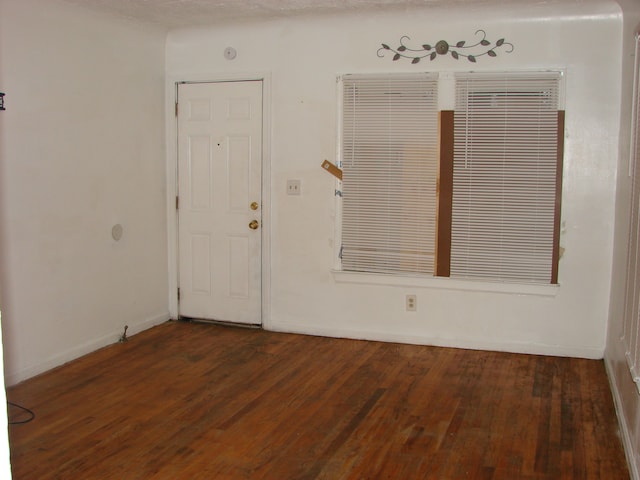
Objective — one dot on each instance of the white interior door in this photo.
(220, 204)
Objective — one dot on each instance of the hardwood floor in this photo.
(197, 401)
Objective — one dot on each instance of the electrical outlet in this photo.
(411, 303)
(293, 187)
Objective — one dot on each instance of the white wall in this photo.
(81, 149)
(624, 390)
(303, 57)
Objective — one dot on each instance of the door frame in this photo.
(171, 96)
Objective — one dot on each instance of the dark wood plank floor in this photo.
(196, 401)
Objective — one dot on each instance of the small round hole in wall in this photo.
(230, 53)
(116, 232)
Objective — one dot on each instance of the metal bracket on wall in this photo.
(332, 169)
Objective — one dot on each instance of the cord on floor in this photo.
(25, 410)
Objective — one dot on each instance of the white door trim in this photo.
(171, 89)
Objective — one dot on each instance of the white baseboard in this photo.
(594, 353)
(11, 378)
(622, 422)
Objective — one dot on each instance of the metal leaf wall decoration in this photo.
(457, 50)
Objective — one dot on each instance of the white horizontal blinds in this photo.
(632, 300)
(504, 176)
(389, 161)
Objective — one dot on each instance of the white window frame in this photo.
(428, 281)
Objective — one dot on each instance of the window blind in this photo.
(632, 299)
(505, 205)
(389, 162)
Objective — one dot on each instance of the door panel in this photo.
(219, 177)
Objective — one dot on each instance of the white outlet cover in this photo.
(293, 187)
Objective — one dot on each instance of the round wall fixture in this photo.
(230, 53)
(116, 232)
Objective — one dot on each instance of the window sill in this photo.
(445, 283)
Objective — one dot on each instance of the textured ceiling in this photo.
(185, 13)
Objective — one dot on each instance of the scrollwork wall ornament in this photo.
(457, 50)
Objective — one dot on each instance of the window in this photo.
(507, 168)
(469, 193)
(389, 161)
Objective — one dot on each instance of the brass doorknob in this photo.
(254, 205)
(253, 224)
